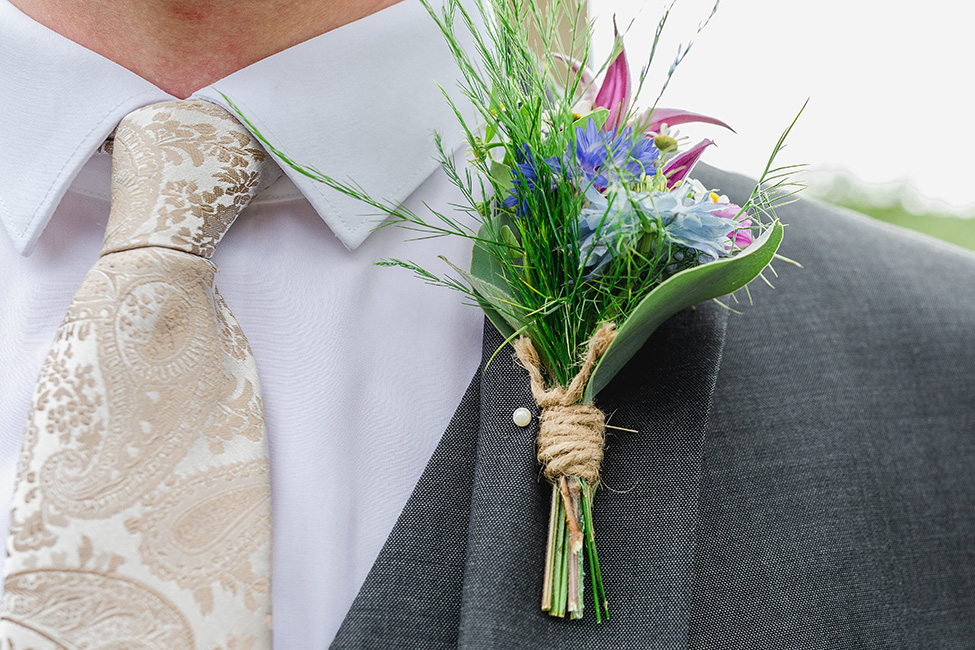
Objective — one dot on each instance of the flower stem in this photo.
(571, 543)
(558, 575)
(598, 590)
(591, 552)
(570, 489)
(548, 580)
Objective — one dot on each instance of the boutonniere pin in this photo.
(590, 233)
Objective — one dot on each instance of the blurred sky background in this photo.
(888, 84)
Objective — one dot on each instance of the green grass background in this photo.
(958, 230)
(890, 205)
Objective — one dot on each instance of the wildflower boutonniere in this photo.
(591, 232)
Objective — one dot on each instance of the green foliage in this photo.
(528, 272)
(687, 288)
(896, 203)
(957, 230)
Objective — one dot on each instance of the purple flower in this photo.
(526, 176)
(601, 157)
(596, 159)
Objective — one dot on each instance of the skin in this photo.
(184, 45)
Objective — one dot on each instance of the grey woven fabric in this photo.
(838, 504)
(814, 493)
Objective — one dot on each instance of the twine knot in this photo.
(571, 436)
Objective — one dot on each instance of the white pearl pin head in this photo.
(522, 417)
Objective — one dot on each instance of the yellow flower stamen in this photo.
(665, 143)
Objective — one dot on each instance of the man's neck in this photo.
(184, 45)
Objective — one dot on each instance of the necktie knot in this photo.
(181, 173)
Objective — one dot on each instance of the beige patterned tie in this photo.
(142, 515)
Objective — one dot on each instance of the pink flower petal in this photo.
(725, 210)
(673, 117)
(741, 237)
(680, 165)
(614, 94)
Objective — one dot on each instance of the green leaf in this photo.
(487, 269)
(501, 174)
(508, 237)
(599, 116)
(497, 303)
(677, 293)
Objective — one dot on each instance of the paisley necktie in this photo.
(142, 514)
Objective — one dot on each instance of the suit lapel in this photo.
(462, 567)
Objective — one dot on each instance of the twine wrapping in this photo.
(571, 436)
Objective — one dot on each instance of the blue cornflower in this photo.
(602, 156)
(597, 158)
(526, 177)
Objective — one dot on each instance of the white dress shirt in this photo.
(361, 366)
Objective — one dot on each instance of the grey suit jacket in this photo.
(802, 476)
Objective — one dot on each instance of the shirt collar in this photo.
(360, 103)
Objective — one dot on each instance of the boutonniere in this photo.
(590, 232)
